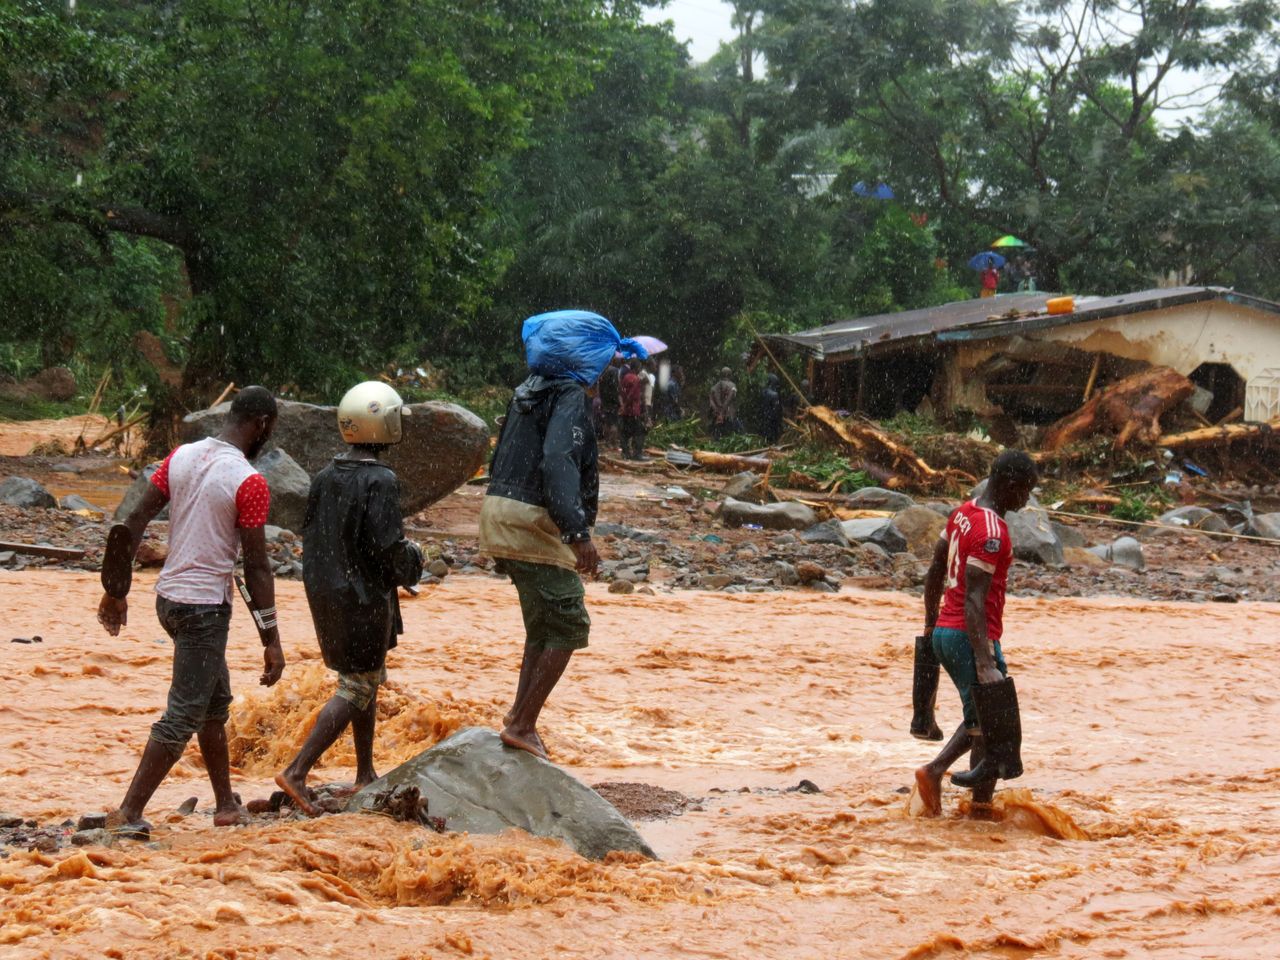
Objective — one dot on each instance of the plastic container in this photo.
(1061, 305)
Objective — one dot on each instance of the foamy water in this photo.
(1147, 824)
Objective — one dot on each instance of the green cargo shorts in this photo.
(359, 689)
(552, 601)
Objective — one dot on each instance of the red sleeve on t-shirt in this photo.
(253, 502)
(160, 479)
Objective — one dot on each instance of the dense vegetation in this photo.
(289, 192)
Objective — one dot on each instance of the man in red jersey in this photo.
(967, 580)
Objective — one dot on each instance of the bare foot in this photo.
(529, 742)
(930, 790)
(347, 790)
(236, 816)
(298, 794)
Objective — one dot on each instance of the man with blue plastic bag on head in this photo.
(541, 504)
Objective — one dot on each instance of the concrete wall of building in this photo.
(1183, 337)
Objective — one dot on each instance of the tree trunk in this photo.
(1129, 408)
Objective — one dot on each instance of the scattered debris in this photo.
(1130, 408)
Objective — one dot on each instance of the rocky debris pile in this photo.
(53, 383)
(644, 801)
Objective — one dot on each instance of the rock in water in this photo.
(476, 784)
(289, 486)
(23, 492)
(444, 444)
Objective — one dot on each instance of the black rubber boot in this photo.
(1001, 724)
(924, 691)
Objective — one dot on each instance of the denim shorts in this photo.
(955, 654)
(201, 687)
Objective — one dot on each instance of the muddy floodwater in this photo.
(1147, 825)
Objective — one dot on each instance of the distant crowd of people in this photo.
(1017, 275)
(633, 396)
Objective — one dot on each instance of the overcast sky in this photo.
(703, 23)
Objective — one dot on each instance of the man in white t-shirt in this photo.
(218, 506)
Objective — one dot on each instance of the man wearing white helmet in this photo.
(354, 557)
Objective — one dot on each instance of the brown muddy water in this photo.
(1147, 825)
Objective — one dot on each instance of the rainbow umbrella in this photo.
(1008, 240)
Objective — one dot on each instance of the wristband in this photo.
(582, 536)
(265, 619)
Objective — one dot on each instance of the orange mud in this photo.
(19, 436)
(1149, 747)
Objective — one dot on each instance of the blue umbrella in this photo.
(986, 259)
(881, 191)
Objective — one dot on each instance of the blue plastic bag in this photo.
(574, 343)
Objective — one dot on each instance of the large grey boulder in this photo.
(24, 492)
(1199, 518)
(877, 498)
(921, 528)
(1263, 525)
(478, 785)
(877, 530)
(1033, 536)
(1125, 552)
(443, 446)
(770, 516)
(1070, 536)
(828, 531)
(289, 486)
(133, 496)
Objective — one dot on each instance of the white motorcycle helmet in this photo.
(370, 414)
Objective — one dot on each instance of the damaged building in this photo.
(1009, 359)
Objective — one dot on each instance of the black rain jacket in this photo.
(546, 453)
(354, 555)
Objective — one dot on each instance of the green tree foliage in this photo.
(326, 187)
(326, 170)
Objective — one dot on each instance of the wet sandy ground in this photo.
(1149, 737)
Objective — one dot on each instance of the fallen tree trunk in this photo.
(870, 444)
(1129, 408)
(1209, 436)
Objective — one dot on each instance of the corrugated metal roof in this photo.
(983, 319)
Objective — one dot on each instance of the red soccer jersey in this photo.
(976, 537)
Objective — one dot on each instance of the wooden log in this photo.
(224, 394)
(1214, 436)
(128, 425)
(728, 462)
(1128, 408)
(868, 443)
(40, 550)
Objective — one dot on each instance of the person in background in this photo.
(771, 410)
(610, 386)
(990, 281)
(724, 406)
(649, 380)
(218, 506)
(632, 412)
(354, 556)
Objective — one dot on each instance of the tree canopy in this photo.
(291, 192)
